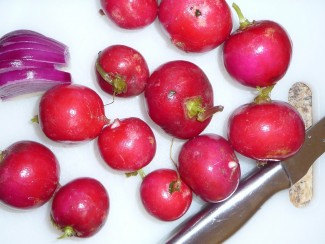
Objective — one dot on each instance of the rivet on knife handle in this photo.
(300, 96)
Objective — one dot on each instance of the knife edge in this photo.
(298, 165)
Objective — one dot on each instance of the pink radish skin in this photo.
(208, 164)
(269, 131)
(127, 144)
(179, 98)
(258, 54)
(80, 208)
(29, 175)
(164, 195)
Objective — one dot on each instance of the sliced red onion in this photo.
(30, 80)
(28, 46)
(20, 32)
(37, 55)
(29, 62)
(29, 35)
(12, 64)
(27, 38)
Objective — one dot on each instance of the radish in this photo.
(71, 113)
(127, 144)
(208, 164)
(266, 131)
(164, 195)
(121, 71)
(179, 98)
(80, 208)
(29, 175)
(131, 14)
(258, 54)
(196, 25)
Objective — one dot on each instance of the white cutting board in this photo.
(78, 24)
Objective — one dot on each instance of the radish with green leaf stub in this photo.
(80, 208)
(258, 54)
(165, 195)
(122, 71)
(266, 130)
(179, 98)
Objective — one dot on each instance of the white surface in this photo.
(78, 24)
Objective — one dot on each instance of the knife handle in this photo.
(218, 221)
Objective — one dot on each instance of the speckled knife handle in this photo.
(300, 96)
(216, 222)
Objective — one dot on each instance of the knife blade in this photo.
(216, 222)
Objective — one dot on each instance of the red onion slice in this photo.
(37, 55)
(30, 80)
(26, 38)
(9, 64)
(32, 36)
(29, 46)
(29, 62)
(20, 32)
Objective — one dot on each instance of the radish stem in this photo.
(264, 94)
(242, 20)
(68, 231)
(117, 81)
(209, 112)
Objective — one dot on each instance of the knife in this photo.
(218, 221)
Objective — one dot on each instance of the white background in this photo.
(78, 24)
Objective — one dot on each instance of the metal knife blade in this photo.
(218, 221)
(314, 146)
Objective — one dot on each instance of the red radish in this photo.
(258, 54)
(127, 144)
(179, 98)
(121, 71)
(71, 113)
(29, 175)
(208, 164)
(164, 195)
(131, 14)
(266, 131)
(196, 25)
(80, 208)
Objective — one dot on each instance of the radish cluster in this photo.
(179, 98)
(257, 55)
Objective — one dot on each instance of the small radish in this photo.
(29, 175)
(71, 113)
(258, 54)
(266, 130)
(80, 208)
(179, 98)
(127, 144)
(196, 25)
(208, 164)
(131, 14)
(121, 71)
(164, 195)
